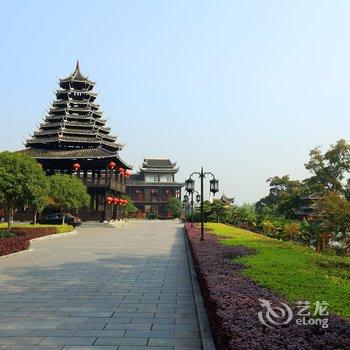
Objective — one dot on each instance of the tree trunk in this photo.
(63, 212)
(9, 204)
(35, 215)
(9, 218)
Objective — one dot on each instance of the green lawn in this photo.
(292, 271)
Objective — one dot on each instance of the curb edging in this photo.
(55, 235)
(205, 334)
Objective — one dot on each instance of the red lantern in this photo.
(121, 170)
(127, 173)
(109, 200)
(76, 166)
(111, 165)
(125, 201)
(115, 200)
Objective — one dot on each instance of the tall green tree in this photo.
(67, 193)
(220, 212)
(174, 205)
(330, 168)
(39, 198)
(244, 215)
(129, 208)
(20, 178)
(334, 214)
(283, 198)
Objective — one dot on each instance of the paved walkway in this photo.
(100, 289)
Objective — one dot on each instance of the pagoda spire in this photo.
(77, 65)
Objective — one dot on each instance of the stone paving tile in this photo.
(149, 334)
(173, 342)
(129, 326)
(100, 333)
(68, 341)
(126, 347)
(101, 289)
(107, 347)
(121, 341)
(20, 340)
(32, 347)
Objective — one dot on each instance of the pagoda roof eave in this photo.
(65, 91)
(78, 80)
(77, 76)
(74, 154)
(159, 170)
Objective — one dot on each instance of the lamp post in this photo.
(214, 187)
(198, 199)
(185, 203)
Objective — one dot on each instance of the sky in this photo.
(244, 88)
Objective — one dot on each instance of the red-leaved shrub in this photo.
(232, 303)
(20, 242)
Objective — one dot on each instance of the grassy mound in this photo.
(295, 272)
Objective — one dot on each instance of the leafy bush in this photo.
(63, 228)
(48, 230)
(152, 216)
(19, 237)
(5, 234)
(291, 231)
(174, 206)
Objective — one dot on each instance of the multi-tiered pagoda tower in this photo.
(74, 139)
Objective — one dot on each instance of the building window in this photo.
(151, 177)
(166, 178)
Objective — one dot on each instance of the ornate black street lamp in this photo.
(198, 199)
(214, 188)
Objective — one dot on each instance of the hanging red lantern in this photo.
(76, 166)
(120, 170)
(109, 200)
(115, 200)
(111, 165)
(127, 173)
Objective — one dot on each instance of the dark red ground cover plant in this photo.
(20, 241)
(232, 304)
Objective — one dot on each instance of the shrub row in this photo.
(232, 303)
(19, 237)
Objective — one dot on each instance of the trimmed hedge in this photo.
(19, 237)
(232, 303)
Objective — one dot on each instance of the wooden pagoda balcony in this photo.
(102, 182)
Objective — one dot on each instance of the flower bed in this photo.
(232, 303)
(20, 236)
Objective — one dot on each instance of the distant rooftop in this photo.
(227, 200)
(157, 163)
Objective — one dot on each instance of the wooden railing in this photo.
(113, 184)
